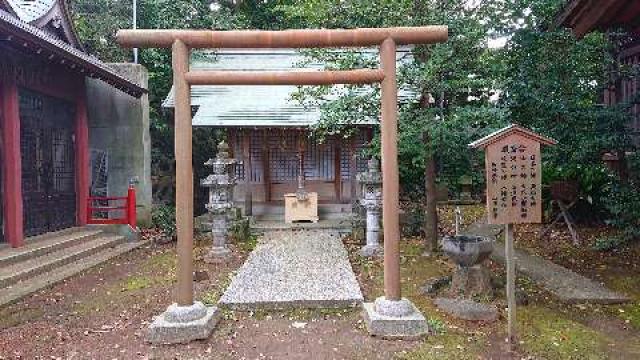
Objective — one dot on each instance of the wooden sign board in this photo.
(513, 175)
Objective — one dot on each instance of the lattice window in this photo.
(283, 156)
(362, 142)
(236, 148)
(345, 159)
(256, 149)
(319, 160)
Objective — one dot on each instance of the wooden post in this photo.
(390, 177)
(12, 162)
(132, 216)
(353, 167)
(184, 173)
(82, 156)
(511, 283)
(338, 172)
(232, 137)
(265, 166)
(246, 160)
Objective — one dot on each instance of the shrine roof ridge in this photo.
(506, 131)
(19, 31)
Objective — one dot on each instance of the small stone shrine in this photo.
(220, 204)
(371, 182)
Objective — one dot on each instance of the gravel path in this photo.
(295, 268)
(568, 286)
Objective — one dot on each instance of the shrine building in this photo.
(271, 133)
(59, 106)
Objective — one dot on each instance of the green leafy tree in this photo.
(451, 85)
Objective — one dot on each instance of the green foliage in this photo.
(553, 84)
(164, 217)
(248, 244)
(622, 201)
(451, 83)
(436, 326)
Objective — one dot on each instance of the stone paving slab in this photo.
(565, 284)
(295, 268)
(467, 309)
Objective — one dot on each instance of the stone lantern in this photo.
(371, 182)
(220, 183)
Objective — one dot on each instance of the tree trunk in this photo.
(431, 209)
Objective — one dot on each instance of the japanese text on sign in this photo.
(513, 180)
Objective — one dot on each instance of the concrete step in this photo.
(44, 244)
(325, 216)
(40, 264)
(23, 288)
(341, 226)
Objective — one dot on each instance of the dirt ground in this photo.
(104, 312)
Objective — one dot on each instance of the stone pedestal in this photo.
(394, 319)
(219, 251)
(467, 309)
(373, 247)
(472, 281)
(371, 182)
(183, 324)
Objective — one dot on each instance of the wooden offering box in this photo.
(300, 210)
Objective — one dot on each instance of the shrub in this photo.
(163, 217)
(622, 202)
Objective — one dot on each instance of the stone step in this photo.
(44, 244)
(37, 265)
(33, 284)
(260, 227)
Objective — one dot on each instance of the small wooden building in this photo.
(44, 125)
(271, 133)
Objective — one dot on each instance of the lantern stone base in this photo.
(394, 319)
(183, 324)
(217, 255)
(371, 250)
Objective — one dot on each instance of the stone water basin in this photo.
(467, 251)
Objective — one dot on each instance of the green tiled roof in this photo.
(253, 106)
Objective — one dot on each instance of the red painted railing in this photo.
(126, 205)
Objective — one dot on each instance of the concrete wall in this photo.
(119, 124)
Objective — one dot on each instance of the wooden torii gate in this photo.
(181, 41)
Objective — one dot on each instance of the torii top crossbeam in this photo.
(181, 41)
(283, 39)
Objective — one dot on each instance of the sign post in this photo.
(513, 177)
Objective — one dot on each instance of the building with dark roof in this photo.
(615, 16)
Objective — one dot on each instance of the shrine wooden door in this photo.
(48, 163)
